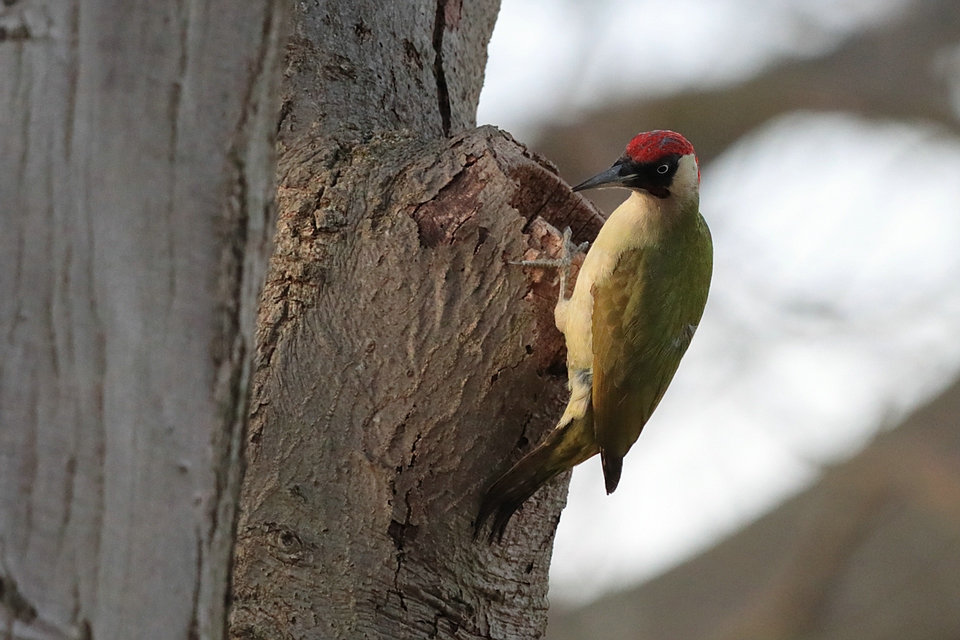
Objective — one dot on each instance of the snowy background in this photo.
(836, 296)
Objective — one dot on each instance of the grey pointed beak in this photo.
(609, 178)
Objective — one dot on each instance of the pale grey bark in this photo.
(358, 67)
(136, 179)
(402, 362)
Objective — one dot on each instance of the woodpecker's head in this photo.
(660, 162)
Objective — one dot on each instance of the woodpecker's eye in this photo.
(662, 169)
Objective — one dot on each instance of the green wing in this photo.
(644, 315)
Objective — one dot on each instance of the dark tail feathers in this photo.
(612, 466)
(565, 447)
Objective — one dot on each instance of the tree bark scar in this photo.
(448, 14)
(439, 219)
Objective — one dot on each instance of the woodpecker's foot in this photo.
(567, 252)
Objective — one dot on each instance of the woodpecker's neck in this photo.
(645, 220)
(685, 188)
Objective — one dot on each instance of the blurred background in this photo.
(801, 478)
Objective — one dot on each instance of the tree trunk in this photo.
(402, 362)
(136, 185)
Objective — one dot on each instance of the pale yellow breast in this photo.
(631, 225)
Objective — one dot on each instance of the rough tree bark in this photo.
(136, 182)
(401, 361)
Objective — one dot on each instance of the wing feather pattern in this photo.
(644, 315)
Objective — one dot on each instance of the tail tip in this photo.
(612, 467)
(501, 510)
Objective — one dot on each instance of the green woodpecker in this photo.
(634, 309)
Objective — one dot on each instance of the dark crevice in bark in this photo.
(402, 532)
(285, 110)
(443, 93)
(523, 441)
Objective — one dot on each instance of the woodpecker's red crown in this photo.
(653, 162)
(650, 146)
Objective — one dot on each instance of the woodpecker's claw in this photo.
(567, 251)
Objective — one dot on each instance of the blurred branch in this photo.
(894, 71)
(847, 503)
